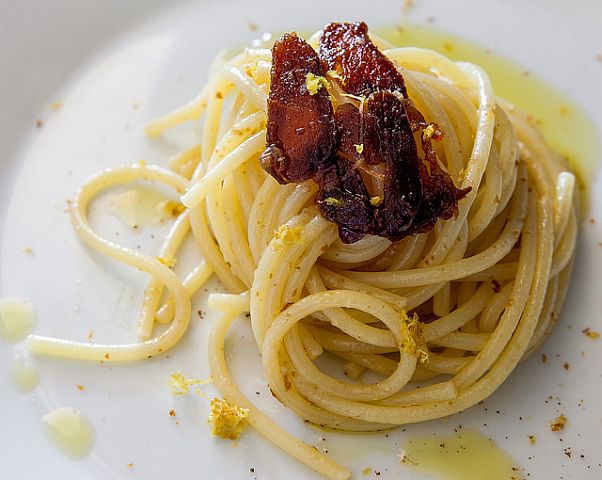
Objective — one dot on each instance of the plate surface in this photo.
(114, 65)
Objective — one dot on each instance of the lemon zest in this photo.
(315, 82)
(376, 201)
(180, 384)
(227, 420)
(332, 201)
(413, 342)
(287, 235)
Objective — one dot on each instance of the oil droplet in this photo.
(357, 449)
(566, 127)
(466, 455)
(139, 205)
(70, 430)
(17, 318)
(24, 377)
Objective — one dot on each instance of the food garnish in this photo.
(360, 145)
(227, 420)
(180, 384)
(558, 423)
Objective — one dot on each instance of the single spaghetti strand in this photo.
(79, 218)
(258, 420)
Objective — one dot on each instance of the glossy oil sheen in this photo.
(70, 430)
(17, 319)
(23, 377)
(136, 205)
(565, 125)
(465, 455)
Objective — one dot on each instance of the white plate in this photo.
(115, 65)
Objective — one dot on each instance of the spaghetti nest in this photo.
(441, 317)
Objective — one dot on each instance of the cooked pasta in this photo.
(440, 318)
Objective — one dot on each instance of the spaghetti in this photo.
(442, 317)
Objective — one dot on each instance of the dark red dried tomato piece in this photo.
(352, 138)
(415, 192)
(439, 194)
(365, 161)
(344, 200)
(388, 131)
(301, 133)
(347, 49)
(385, 132)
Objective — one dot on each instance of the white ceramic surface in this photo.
(114, 65)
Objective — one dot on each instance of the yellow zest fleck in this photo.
(180, 384)
(227, 420)
(332, 201)
(130, 465)
(558, 424)
(286, 235)
(428, 133)
(170, 208)
(167, 261)
(432, 132)
(376, 201)
(315, 82)
(532, 439)
(142, 163)
(590, 333)
(366, 471)
(251, 70)
(413, 342)
(28, 250)
(80, 387)
(359, 148)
